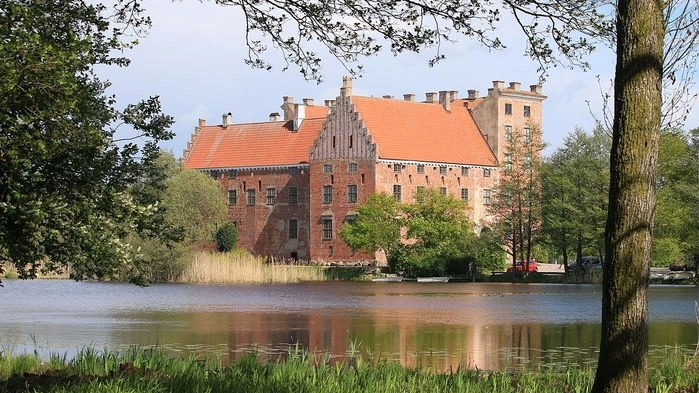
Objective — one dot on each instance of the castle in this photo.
(293, 181)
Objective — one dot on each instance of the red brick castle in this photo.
(293, 181)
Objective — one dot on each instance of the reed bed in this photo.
(10, 272)
(242, 267)
(152, 370)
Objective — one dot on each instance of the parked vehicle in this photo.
(520, 266)
(586, 264)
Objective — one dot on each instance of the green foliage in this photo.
(516, 205)
(437, 236)
(377, 226)
(153, 370)
(65, 173)
(575, 192)
(195, 203)
(191, 207)
(676, 231)
(227, 237)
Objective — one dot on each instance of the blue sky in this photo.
(193, 58)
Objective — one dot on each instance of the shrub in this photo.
(227, 237)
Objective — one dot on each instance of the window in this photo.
(442, 170)
(232, 173)
(293, 195)
(352, 167)
(508, 161)
(351, 140)
(464, 171)
(271, 196)
(420, 168)
(527, 111)
(293, 229)
(527, 134)
(251, 196)
(397, 167)
(464, 194)
(293, 171)
(527, 161)
(486, 172)
(443, 190)
(327, 194)
(352, 193)
(327, 168)
(327, 228)
(351, 218)
(214, 174)
(419, 193)
(508, 109)
(397, 192)
(232, 197)
(486, 197)
(508, 133)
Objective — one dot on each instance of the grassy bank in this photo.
(243, 267)
(141, 370)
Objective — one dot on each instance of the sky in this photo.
(193, 58)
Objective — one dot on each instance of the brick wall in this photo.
(264, 228)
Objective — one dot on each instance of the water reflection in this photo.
(445, 326)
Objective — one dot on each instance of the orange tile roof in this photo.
(254, 144)
(415, 131)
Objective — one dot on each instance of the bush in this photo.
(227, 237)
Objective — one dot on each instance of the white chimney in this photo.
(429, 97)
(299, 115)
(515, 85)
(535, 89)
(227, 119)
(308, 101)
(274, 116)
(472, 94)
(409, 97)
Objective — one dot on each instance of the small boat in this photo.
(433, 279)
(387, 279)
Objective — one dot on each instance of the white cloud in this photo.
(193, 58)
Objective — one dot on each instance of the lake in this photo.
(444, 325)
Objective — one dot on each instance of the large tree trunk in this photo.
(623, 365)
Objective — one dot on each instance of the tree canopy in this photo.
(431, 236)
(65, 176)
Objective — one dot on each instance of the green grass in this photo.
(152, 370)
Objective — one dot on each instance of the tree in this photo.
(377, 227)
(438, 231)
(576, 191)
(623, 362)
(675, 236)
(194, 202)
(426, 237)
(65, 175)
(227, 237)
(517, 204)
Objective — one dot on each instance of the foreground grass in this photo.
(141, 370)
(242, 267)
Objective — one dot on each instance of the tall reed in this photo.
(242, 267)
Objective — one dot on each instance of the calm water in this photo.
(489, 326)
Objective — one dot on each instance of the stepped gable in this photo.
(255, 144)
(426, 132)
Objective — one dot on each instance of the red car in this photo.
(520, 266)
